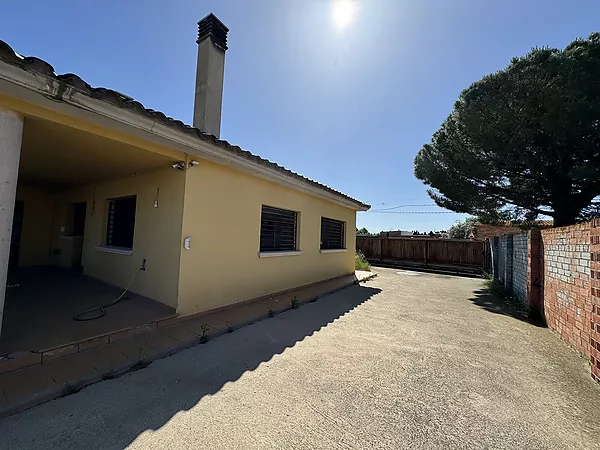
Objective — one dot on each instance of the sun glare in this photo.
(343, 13)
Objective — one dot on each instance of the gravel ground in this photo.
(408, 360)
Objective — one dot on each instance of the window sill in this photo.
(273, 254)
(116, 250)
(334, 250)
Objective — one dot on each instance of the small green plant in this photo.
(495, 287)
(508, 302)
(294, 303)
(204, 328)
(360, 262)
(270, 312)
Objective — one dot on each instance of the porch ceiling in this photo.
(57, 156)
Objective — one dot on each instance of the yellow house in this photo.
(98, 193)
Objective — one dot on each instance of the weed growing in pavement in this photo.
(294, 303)
(204, 328)
(495, 287)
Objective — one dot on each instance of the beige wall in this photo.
(35, 248)
(222, 218)
(157, 235)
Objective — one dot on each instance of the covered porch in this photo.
(93, 215)
(41, 303)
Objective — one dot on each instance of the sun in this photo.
(343, 13)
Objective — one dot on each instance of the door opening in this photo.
(78, 229)
(15, 238)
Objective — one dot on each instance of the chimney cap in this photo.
(212, 27)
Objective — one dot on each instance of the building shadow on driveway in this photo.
(498, 305)
(112, 414)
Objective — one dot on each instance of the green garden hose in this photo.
(101, 310)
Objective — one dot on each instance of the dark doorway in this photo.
(79, 218)
(78, 229)
(15, 239)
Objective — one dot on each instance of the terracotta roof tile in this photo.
(33, 64)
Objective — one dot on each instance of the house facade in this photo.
(94, 183)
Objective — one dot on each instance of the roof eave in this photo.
(52, 91)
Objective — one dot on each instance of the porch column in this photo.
(11, 132)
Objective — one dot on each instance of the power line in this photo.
(413, 212)
(402, 206)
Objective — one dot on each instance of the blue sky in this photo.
(347, 107)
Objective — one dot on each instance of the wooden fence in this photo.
(422, 251)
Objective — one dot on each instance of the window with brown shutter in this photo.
(332, 234)
(278, 228)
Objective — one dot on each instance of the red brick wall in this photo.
(535, 276)
(483, 231)
(563, 285)
(567, 288)
(594, 320)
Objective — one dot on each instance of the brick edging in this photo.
(21, 360)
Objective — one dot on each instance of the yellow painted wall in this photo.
(222, 217)
(220, 212)
(157, 235)
(36, 232)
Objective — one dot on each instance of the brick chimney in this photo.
(212, 44)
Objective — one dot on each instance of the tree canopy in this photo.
(463, 229)
(364, 232)
(523, 142)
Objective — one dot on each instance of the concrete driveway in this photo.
(408, 360)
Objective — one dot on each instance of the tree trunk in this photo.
(565, 205)
(565, 217)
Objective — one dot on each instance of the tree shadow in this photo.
(112, 414)
(505, 306)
